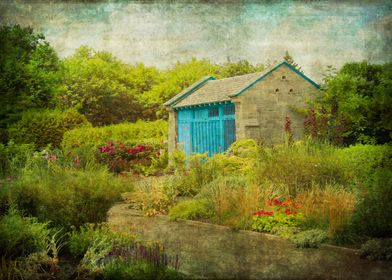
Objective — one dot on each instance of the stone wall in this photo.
(172, 134)
(217, 252)
(261, 110)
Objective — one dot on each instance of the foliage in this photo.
(373, 213)
(30, 72)
(150, 133)
(330, 208)
(122, 269)
(13, 158)
(150, 196)
(184, 74)
(179, 77)
(283, 213)
(193, 209)
(21, 236)
(232, 199)
(301, 165)
(121, 157)
(43, 128)
(309, 238)
(87, 235)
(357, 102)
(103, 88)
(377, 249)
(241, 67)
(67, 196)
(114, 255)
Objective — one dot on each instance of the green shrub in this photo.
(43, 128)
(122, 269)
(13, 158)
(359, 162)
(300, 166)
(309, 238)
(267, 221)
(141, 132)
(21, 236)
(377, 249)
(373, 214)
(89, 234)
(191, 210)
(67, 196)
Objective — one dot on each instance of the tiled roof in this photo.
(188, 90)
(219, 90)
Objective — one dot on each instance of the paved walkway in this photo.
(217, 252)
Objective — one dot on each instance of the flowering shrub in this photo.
(121, 157)
(282, 213)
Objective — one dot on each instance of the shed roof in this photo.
(210, 90)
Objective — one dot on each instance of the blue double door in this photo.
(208, 129)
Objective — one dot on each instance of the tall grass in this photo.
(65, 195)
(330, 208)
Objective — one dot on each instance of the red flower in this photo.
(259, 213)
(158, 154)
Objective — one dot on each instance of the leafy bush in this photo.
(82, 239)
(283, 213)
(149, 133)
(300, 166)
(191, 210)
(43, 128)
(66, 196)
(377, 249)
(122, 157)
(13, 158)
(373, 214)
(309, 238)
(21, 236)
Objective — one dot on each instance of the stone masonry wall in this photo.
(261, 110)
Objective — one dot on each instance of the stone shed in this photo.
(211, 114)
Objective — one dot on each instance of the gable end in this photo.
(272, 70)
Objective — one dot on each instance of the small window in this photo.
(213, 112)
(277, 90)
(283, 77)
(228, 110)
(291, 90)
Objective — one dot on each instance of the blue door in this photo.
(208, 129)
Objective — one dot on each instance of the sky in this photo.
(159, 33)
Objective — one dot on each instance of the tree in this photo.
(358, 101)
(30, 72)
(231, 69)
(103, 88)
(174, 80)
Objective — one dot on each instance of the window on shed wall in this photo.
(228, 110)
(213, 112)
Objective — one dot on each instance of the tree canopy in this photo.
(30, 72)
(358, 99)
